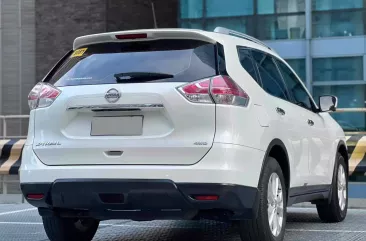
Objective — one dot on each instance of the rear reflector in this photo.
(131, 36)
(206, 197)
(219, 89)
(36, 196)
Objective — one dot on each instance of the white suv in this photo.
(179, 124)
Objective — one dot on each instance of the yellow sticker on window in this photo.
(78, 52)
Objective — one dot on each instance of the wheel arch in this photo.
(342, 149)
(277, 150)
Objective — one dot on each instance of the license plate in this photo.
(117, 126)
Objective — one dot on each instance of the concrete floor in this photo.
(21, 222)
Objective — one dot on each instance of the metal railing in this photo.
(4, 119)
(341, 110)
(350, 110)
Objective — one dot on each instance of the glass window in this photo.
(349, 96)
(172, 60)
(298, 65)
(220, 8)
(237, 24)
(271, 79)
(191, 8)
(336, 4)
(280, 6)
(328, 24)
(281, 27)
(246, 61)
(338, 69)
(193, 24)
(294, 87)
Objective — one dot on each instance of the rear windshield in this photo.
(123, 63)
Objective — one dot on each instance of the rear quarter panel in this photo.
(257, 125)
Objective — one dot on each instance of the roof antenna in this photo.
(153, 12)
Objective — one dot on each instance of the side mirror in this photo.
(328, 103)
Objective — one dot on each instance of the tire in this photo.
(69, 229)
(331, 211)
(259, 228)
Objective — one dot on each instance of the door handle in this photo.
(310, 122)
(280, 111)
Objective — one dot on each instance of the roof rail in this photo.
(240, 35)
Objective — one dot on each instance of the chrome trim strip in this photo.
(116, 106)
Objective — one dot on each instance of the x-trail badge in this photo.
(112, 95)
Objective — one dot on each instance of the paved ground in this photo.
(20, 222)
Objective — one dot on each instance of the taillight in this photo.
(225, 91)
(197, 92)
(42, 95)
(219, 89)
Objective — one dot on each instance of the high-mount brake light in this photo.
(131, 36)
(42, 95)
(218, 89)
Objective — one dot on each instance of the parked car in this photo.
(179, 124)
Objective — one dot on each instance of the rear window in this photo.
(112, 63)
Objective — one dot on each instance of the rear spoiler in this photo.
(141, 35)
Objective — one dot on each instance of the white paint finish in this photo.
(291, 129)
(262, 115)
(326, 135)
(335, 47)
(224, 163)
(168, 136)
(289, 49)
(320, 150)
(239, 141)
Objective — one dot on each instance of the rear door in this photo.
(119, 104)
(286, 118)
(313, 126)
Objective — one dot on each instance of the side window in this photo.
(271, 79)
(246, 61)
(299, 95)
(221, 59)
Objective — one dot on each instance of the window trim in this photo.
(314, 107)
(256, 64)
(238, 47)
(332, 81)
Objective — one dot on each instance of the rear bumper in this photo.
(142, 199)
(224, 163)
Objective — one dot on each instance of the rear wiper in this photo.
(130, 77)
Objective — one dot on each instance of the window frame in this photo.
(314, 107)
(260, 77)
(238, 47)
(335, 81)
(333, 11)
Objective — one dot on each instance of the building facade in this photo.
(323, 40)
(35, 34)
